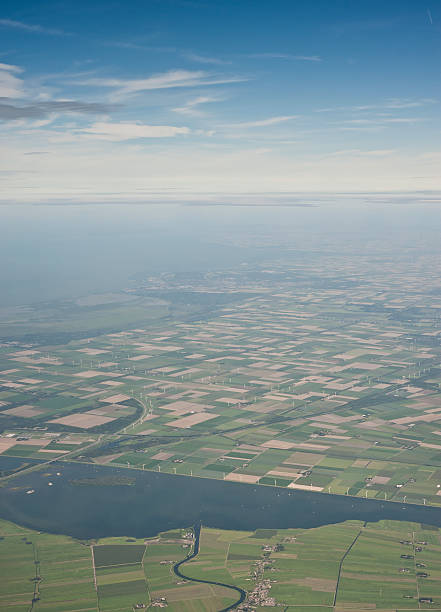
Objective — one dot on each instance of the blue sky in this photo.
(139, 99)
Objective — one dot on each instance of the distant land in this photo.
(316, 374)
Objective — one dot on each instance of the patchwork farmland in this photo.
(350, 566)
(330, 384)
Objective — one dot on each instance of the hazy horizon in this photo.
(217, 97)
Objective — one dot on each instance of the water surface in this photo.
(158, 502)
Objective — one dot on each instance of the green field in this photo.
(350, 566)
(117, 555)
(328, 390)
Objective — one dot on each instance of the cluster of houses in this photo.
(159, 602)
(260, 595)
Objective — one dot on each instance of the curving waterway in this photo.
(158, 502)
(178, 572)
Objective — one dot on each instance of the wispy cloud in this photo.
(363, 153)
(140, 47)
(167, 80)
(398, 103)
(10, 68)
(382, 120)
(29, 27)
(40, 110)
(262, 122)
(204, 59)
(392, 103)
(11, 86)
(285, 56)
(129, 131)
(191, 106)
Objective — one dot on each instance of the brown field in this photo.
(107, 458)
(188, 591)
(277, 444)
(242, 478)
(317, 447)
(85, 420)
(380, 479)
(6, 443)
(115, 399)
(192, 419)
(183, 406)
(426, 418)
(111, 410)
(23, 411)
(88, 374)
(293, 485)
(36, 442)
(280, 472)
(162, 456)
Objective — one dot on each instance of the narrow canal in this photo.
(178, 572)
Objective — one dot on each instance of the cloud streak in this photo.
(382, 120)
(393, 103)
(28, 27)
(166, 80)
(191, 107)
(10, 85)
(140, 47)
(129, 131)
(11, 112)
(203, 59)
(286, 56)
(262, 122)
